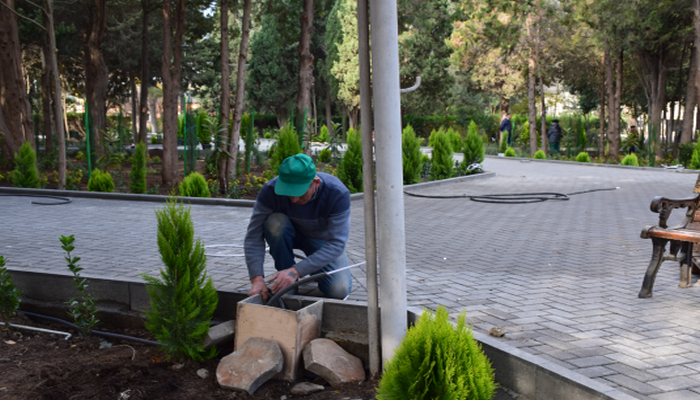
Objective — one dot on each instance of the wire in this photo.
(512, 198)
(64, 200)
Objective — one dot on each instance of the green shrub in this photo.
(539, 155)
(510, 152)
(630, 159)
(455, 140)
(437, 360)
(138, 169)
(583, 157)
(443, 163)
(83, 311)
(325, 155)
(473, 148)
(25, 174)
(183, 300)
(350, 168)
(695, 158)
(9, 296)
(504, 144)
(100, 182)
(412, 157)
(324, 136)
(194, 185)
(287, 146)
(685, 153)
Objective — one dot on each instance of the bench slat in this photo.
(682, 235)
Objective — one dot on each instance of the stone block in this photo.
(292, 330)
(328, 360)
(218, 334)
(253, 364)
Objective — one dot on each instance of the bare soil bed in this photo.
(45, 366)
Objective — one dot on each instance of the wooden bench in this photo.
(682, 237)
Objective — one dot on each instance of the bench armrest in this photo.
(663, 206)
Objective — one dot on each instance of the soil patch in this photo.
(45, 366)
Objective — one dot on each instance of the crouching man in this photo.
(305, 210)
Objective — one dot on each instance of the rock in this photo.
(219, 334)
(253, 364)
(326, 359)
(306, 388)
(177, 367)
(203, 373)
(497, 331)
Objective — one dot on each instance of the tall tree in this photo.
(225, 90)
(306, 62)
(171, 71)
(342, 60)
(145, 77)
(96, 72)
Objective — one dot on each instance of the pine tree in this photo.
(473, 147)
(183, 300)
(443, 163)
(287, 146)
(25, 174)
(412, 159)
(138, 169)
(350, 168)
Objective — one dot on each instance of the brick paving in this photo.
(561, 277)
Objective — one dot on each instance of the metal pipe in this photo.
(34, 328)
(368, 187)
(390, 206)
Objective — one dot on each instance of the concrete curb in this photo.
(523, 159)
(124, 302)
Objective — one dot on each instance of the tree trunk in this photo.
(657, 78)
(329, 114)
(532, 107)
(615, 138)
(306, 62)
(14, 101)
(171, 86)
(134, 109)
(543, 114)
(96, 74)
(225, 91)
(505, 104)
(145, 74)
(240, 88)
(46, 96)
(58, 105)
(601, 101)
(687, 129)
(609, 89)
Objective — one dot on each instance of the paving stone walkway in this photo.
(561, 277)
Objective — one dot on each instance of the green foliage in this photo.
(685, 153)
(412, 157)
(183, 300)
(437, 360)
(443, 163)
(287, 146)
(424, 125)
(583, 157)
(138, 169)
(25, 174)
(83, 311)
(342, 64)
(324, 136)
(455, 140)
(539, 155)
(504, 144)
(695, 158)
(194, 185)
(100, 182)
(630, 159)
(350, 168)
(324, 155)
(473, 148)
(109, 150)
(204, 134)
(9, 296)
(510, 152)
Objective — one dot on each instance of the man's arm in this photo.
(254, 248)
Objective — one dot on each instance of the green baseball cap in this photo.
(295, 175)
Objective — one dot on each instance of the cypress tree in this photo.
(412, 159)
(138, 169)
(25, 174)
(473, 147)
(350, 168)
(183, 300)
(443, 163)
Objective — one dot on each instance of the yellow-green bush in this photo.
(194, 185)
(539, 155)
(437, 360)
(510, 152)
(100, 182)
(583, 157)
(630, 159)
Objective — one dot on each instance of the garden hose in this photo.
(512, 198)
(64, 200)
(107, 335)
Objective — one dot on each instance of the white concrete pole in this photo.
(390, 209)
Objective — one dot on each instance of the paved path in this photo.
(561, 277)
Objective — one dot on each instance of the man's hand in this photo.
(258, 287)
(283, 279)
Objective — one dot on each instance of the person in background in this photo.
(506, 127)
(554, 135)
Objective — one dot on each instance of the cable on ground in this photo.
(512, 198)
(63, 200)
